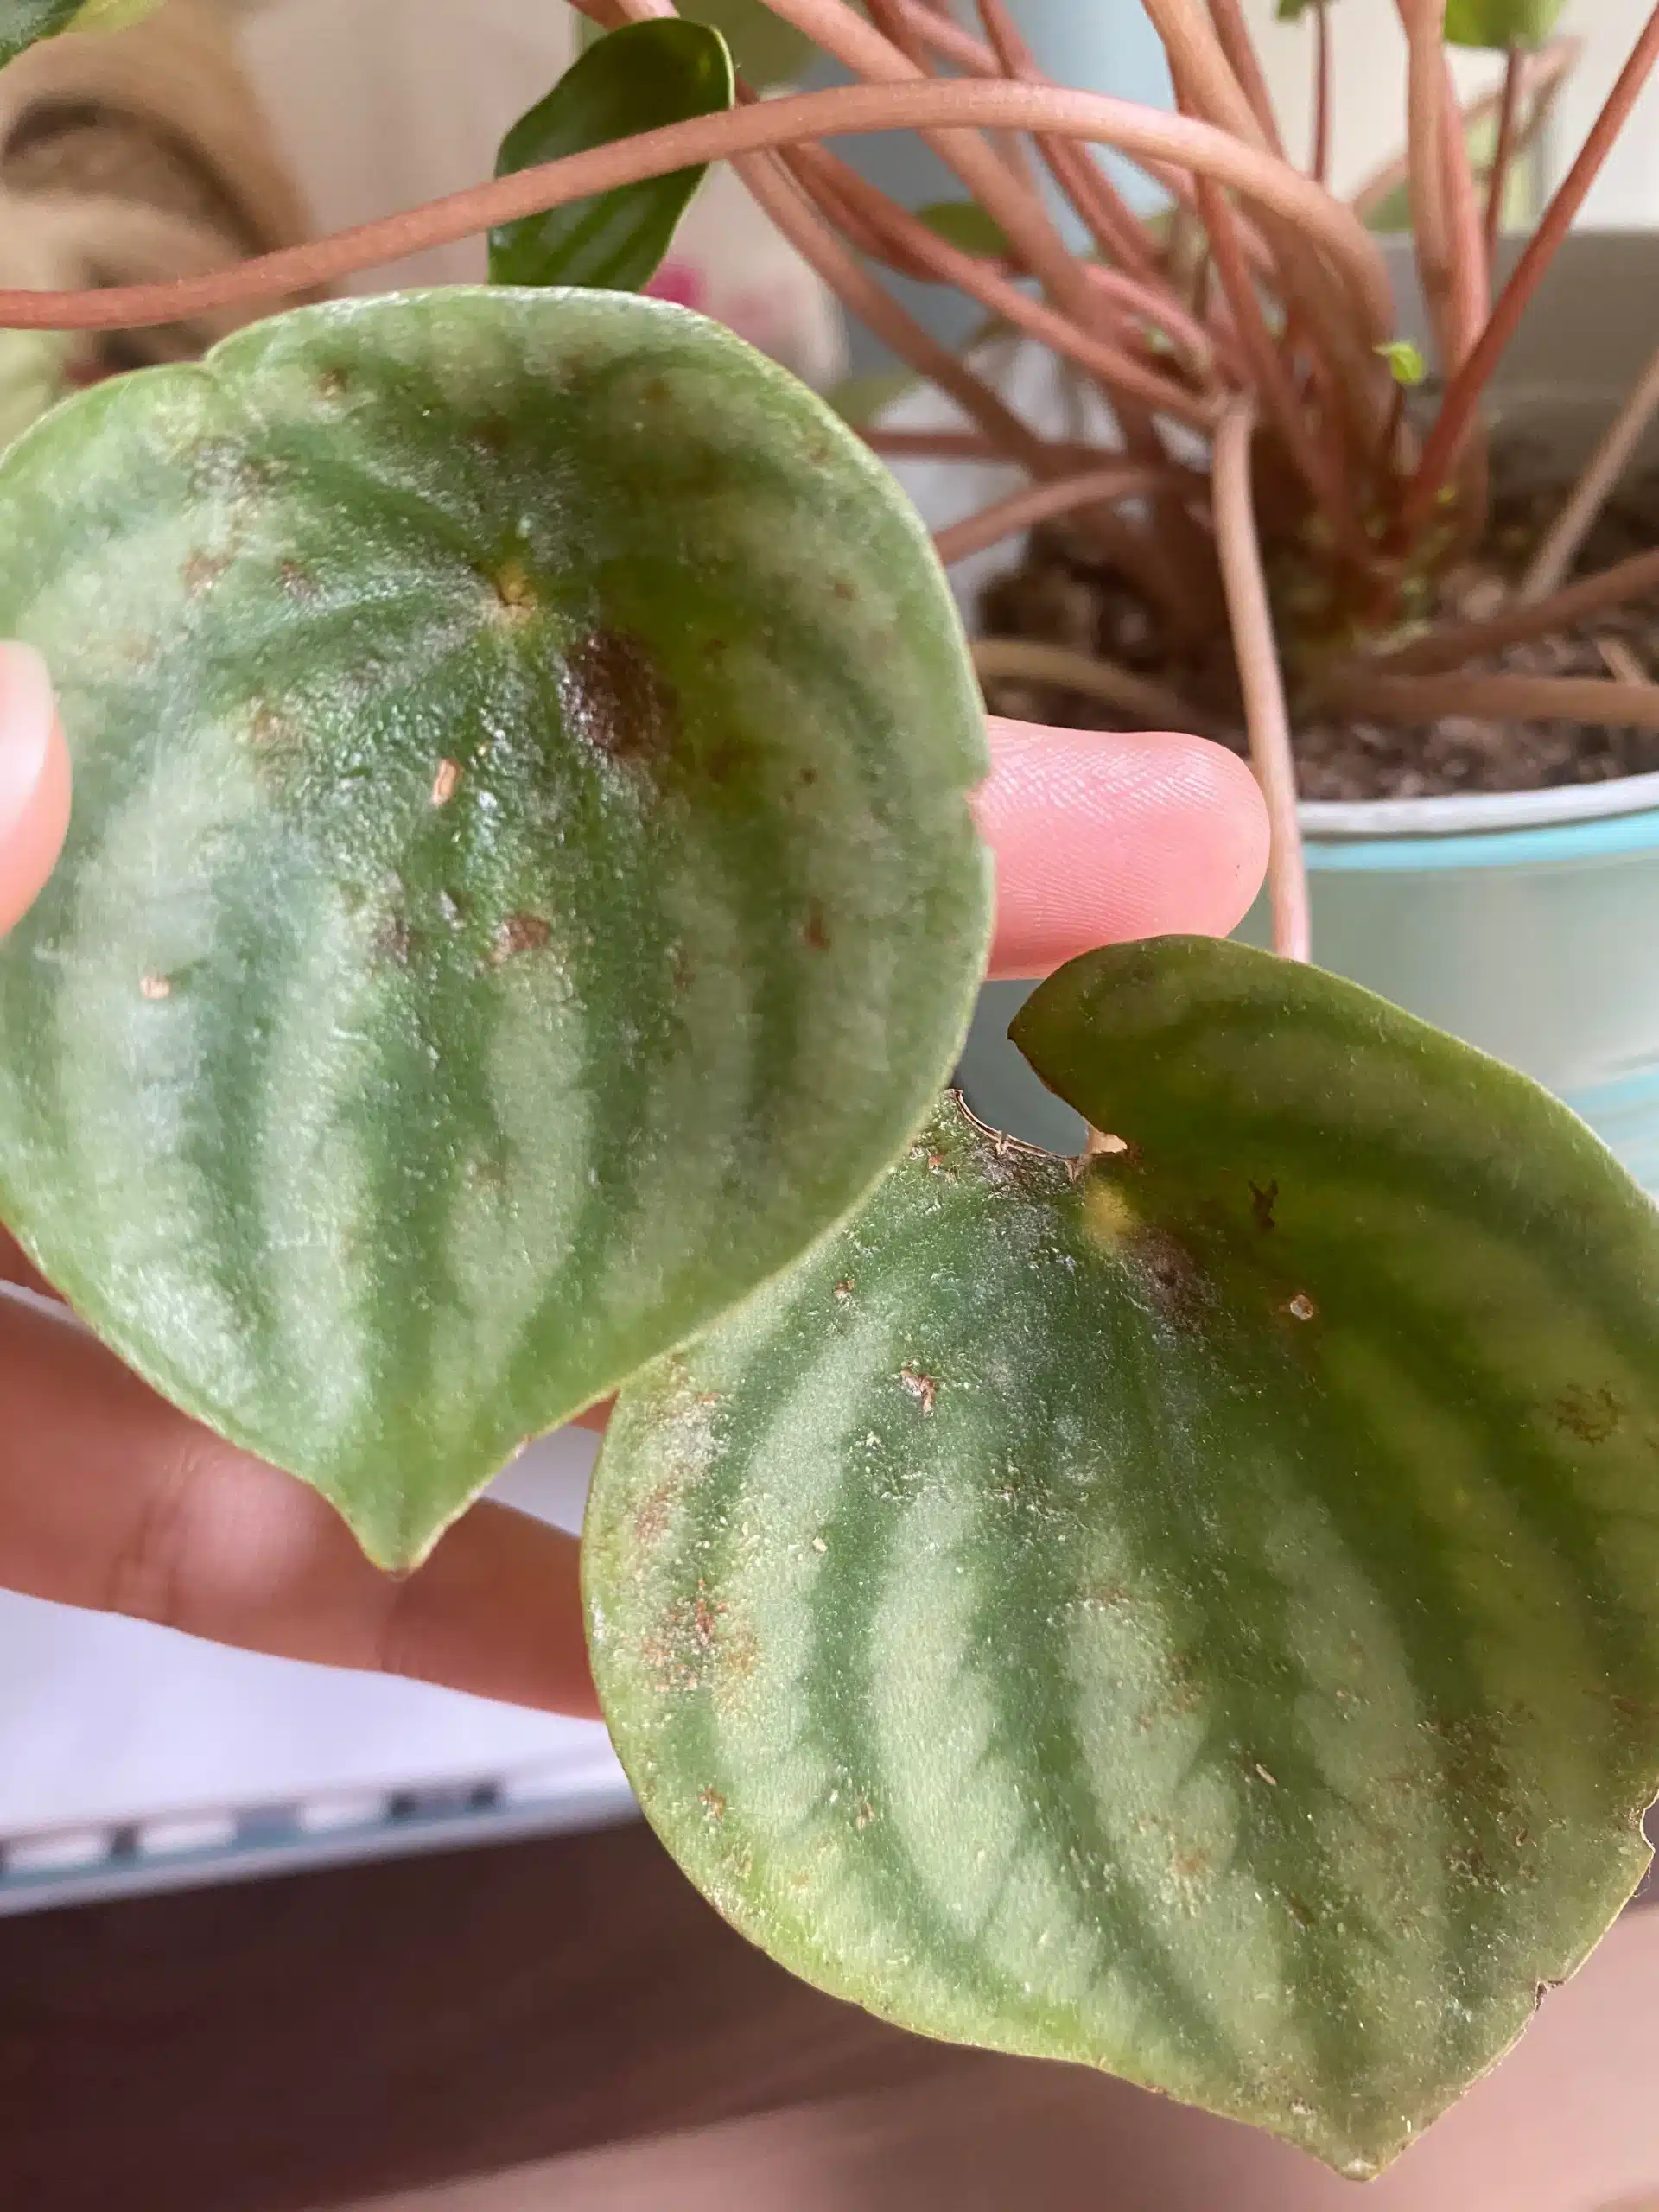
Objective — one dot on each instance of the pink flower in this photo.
(679, 282)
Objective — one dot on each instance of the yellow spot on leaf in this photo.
(514, 590)
(1107, 1215)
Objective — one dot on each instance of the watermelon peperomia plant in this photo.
(1192, 1609)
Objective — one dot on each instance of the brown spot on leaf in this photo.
(651, 1521)
(844, 588)
(695, 1646)
(1166, 1272)
(202, 571)
(332, 384)
(271, 731)
(446, 783)
(712, 1802)
(1591, 1415)
(518, 933)
(705, 1618)
(394, 942)
(815, 936)
(863, 1813)
(844, 1290)
(616, 700)
(1299, 1910)
(923, 1387)
(809, 777)
(156, 988)
(1263, 1198)
(297, 582)
(1301, 1307)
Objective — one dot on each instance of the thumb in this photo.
(34, 781)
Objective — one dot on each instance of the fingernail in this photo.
(34, 781)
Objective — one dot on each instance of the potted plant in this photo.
(1192, 1607)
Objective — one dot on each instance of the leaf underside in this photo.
(521, 887)
(1197, 1616)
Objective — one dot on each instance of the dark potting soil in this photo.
(1063, 593)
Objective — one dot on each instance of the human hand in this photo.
(112, 1499)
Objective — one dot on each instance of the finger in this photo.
(111, 1500)
(1099, 838)
(34, 781)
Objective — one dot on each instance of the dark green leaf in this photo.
(766, 49)
(522, 886)
(964, 224)
(1195, 1612)
(641, 78)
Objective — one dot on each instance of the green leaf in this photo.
(640, 78)
(1193, 1612)
(766, 49)
(860, 399)
(1500, 23)
(964, 224)
(1405, 361)
(24, 23)
(521, 889)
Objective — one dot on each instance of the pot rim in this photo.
(1479, 814)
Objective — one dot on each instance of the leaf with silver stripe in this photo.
(521, 890)
(1194, 1612)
